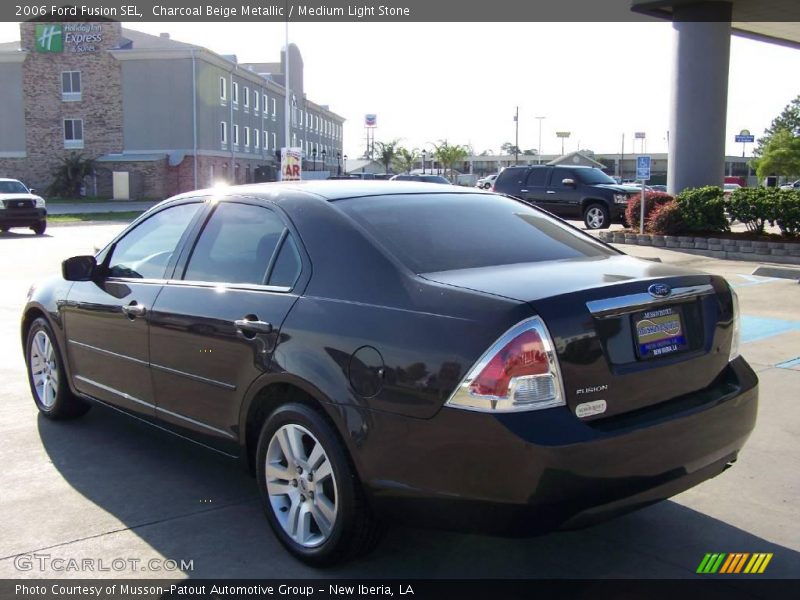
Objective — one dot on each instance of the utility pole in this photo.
(539, 149)
(516, 137)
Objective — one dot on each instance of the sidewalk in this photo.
(98, 207)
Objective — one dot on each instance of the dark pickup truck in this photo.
(568, 192)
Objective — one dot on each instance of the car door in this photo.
(534, 187)
(564, 200)
(215, 325)
(107, 320)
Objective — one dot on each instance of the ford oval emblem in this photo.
(659, 290)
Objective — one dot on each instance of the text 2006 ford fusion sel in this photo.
(378, 351)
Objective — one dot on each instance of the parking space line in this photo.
(753, 280)
(789, 364)
(759, 328)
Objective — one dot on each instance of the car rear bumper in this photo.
(22, 217)
(526, 473)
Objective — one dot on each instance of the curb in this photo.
(775, 252)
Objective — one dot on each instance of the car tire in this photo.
(47, 377)
(39, 228)
(596, 216)
(311, 495)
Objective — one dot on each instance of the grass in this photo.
(93, 216)
(87, 200)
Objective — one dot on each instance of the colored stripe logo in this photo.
(734, 563)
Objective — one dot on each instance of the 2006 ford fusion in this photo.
(379, 351)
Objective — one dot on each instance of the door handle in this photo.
(525, 191)
(550, 191)
(134, 309)
(252, 326)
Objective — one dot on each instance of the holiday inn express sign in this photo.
(69, 37)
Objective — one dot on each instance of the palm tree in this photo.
(448, 155)
(69, 175)
(387, 151)
(406, 159)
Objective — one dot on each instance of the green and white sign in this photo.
(49, 37)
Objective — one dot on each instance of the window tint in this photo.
(145, 250)
(593, 176)
(442, 232)
(559, 175)
(236, 245)
(537, 177)
(287, 266)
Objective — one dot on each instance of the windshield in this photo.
(12, 187)
(443, 232)
(593, 176)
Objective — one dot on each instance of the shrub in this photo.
(651, 200)
(753, 207)
(69, 175)
(703, 209)
(666, 219)
(787, 211)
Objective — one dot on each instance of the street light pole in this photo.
(424, 154)
(539, 150)
(324, 158)
(516, 137)
(338, 164)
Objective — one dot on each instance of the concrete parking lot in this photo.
(106, 487)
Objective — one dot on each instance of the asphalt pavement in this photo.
(106, 487)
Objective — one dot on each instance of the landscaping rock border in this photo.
(731, 249)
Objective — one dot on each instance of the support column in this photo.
(699, 103)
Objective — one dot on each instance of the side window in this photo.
(559, 175)
(287, 266)
(236, 245)
(145, 250)
(537, 178)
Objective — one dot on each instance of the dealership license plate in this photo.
(659, 332)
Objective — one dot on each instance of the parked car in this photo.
(659, 188)
(21, 207)
(486, 183)
(791, 186)
(462, 360)
(423, 178)
(569, 192)
(729, 188)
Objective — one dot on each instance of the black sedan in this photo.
(375, 352)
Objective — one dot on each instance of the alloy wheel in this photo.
(44, 369)
(595, 218)
(301, 485)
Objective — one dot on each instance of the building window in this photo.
(235, 136)
(71, 86)
(246, 96)
(266, 140)
(247, 137)
(265, 105)
(256, 96)
(256, 139)
(223, 89)
(223, 132)
(235, 94)
(73, 133)
(273, 109)
(274, 140)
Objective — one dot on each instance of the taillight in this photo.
(519, 372)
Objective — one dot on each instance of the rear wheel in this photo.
(47, 377)
(39, 228)
(312, 497)
(596, 216)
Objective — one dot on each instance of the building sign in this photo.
(370, 120)
(68, 37)
(291, 164)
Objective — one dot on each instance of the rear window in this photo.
(445, 232)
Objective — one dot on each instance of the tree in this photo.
(69, 175)
(448, 155)
(788, 120)
(509, 148)
(587, 152)
(386, 153)
(406, 158)
(781, 155)
(530, 152)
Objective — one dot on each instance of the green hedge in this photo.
(787, 212)
(703, 209)
(755, 207)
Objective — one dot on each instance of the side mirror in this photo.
(32, 190)
(79, 268)
(568, 183)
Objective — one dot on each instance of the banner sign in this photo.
(291, 164)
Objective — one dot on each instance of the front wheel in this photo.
(312, 497)
(47, 377)
(596, 216)
(39, 228)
